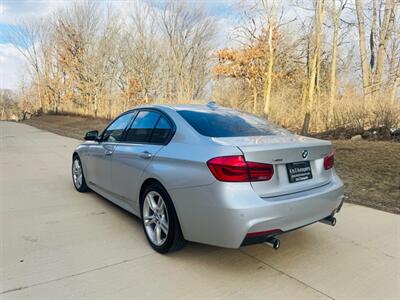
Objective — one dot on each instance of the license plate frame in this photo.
(299, 171)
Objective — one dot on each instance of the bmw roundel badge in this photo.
(304, 154)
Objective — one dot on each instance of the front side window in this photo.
(229, 123)
(142, 127)
(114, 132)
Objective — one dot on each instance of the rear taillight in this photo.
(229, 168)
(260, 172)
(329, 161)
(237, 169)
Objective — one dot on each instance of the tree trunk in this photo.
(396, 84)
(332, 84)
(270, 61)
(319, 11)
(304, 94)
(95, 106)
(268, 84)
(255, 97)
(318, 91)
(39, 96)
(366, 74)
(306, 124)
(384, 36)
(372, 36)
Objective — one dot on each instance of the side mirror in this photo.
(91, 135)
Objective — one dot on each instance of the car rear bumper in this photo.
(232, 214)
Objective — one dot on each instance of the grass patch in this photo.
(371, 173)
(67, 125)
(369, 169)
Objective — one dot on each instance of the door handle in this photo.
(146, 155)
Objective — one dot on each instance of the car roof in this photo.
(211, 106)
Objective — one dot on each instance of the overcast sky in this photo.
(13, 12)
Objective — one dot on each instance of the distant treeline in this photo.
(307, 65)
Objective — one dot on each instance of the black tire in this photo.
(174, 240)
(83, 188)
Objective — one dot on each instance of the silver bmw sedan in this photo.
(209, 174)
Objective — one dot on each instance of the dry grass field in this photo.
(370, 170)
(371, 173)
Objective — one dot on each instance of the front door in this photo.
(101, 153)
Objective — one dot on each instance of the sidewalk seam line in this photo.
(286, 274)
(73, 275)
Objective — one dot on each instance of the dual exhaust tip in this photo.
(275, 243)
(329, 220)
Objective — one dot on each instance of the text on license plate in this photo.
(299, 171)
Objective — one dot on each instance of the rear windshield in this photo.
(229, 123)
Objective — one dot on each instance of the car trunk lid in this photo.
(291, 156)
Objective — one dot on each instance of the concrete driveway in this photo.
(56, 242)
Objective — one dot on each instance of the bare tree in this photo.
(86, 40)
(29, 38)
(372, 72)
(386, 30)
(188, 35)
(272, 30)
(314, 64)
(394, 66)
(87, 59)
(396, 84)
(144, 51)
(335, 15)
(366, 74)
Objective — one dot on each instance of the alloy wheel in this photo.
(155, 218)
(77, 173)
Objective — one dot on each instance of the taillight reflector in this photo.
(329, 161)
(266, 232)
(237, 169)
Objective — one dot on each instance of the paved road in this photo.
(56, 242)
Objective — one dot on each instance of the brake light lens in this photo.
(260, 172)
(237, 169)
(229, 168)
(329, 161)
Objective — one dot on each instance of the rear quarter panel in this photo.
(180, 165)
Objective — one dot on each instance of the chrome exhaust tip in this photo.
(329, 220)
(273, 243)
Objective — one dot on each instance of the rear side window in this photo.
(229, 123)
(142, 127)
(161, 132)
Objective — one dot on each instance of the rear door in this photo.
(145, 137)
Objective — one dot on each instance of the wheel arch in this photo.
(78, 155)
(145, 184)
